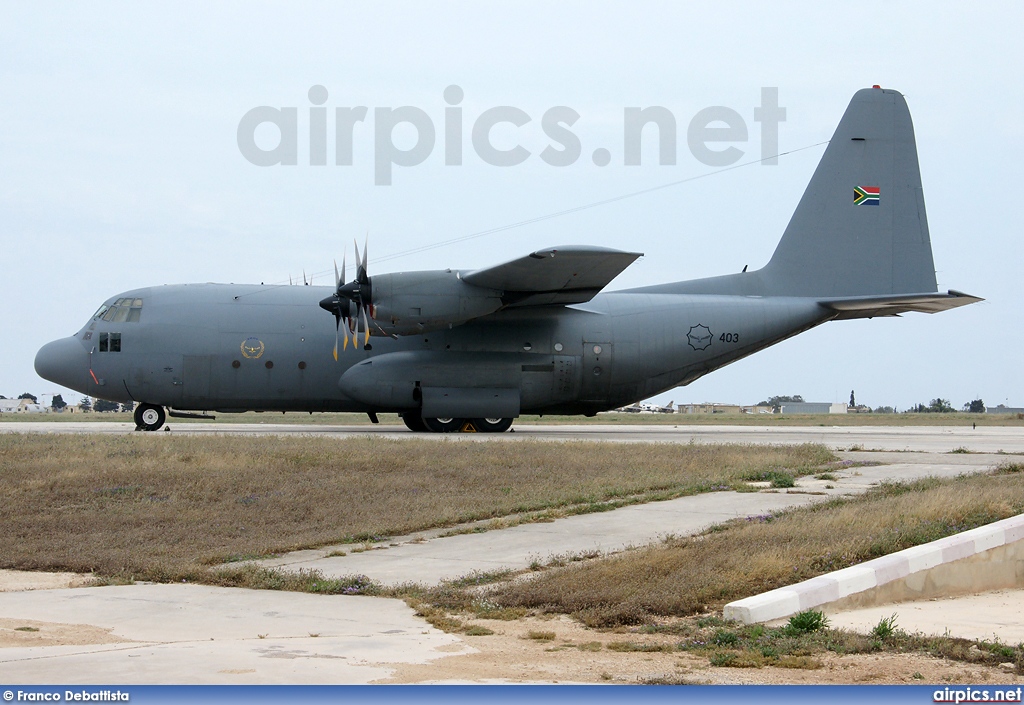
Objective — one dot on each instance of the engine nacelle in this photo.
(410, 303)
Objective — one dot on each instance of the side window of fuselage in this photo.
(110, 342)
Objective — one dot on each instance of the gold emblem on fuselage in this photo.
(252, 348)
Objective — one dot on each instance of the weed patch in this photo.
(807, 621)
(885, 628)
(801, 646)
(540, 635)
(627, 646)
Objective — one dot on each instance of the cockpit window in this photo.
(121, 311)
(136, 311)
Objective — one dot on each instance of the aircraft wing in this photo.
(558, 275)
(871, 306)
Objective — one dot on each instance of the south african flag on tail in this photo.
(866, 195)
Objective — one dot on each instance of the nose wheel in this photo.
(149, 417)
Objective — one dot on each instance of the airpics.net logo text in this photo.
(711, 134)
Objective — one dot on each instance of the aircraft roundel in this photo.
(699, 337)
(252, 348)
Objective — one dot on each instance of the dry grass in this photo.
(690, 575)
(156, 507)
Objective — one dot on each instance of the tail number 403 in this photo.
(729, 338)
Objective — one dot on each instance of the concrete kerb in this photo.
(990, 557)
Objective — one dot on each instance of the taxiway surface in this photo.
(923, 439)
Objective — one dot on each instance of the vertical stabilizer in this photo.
(860, 228)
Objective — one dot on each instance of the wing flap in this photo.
(872, 306)
(558, 275)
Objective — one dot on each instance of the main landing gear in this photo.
(149, 417)
(420, 424)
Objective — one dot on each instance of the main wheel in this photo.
(149, 417)
(443, 425)
(492, 425)
(413, 422)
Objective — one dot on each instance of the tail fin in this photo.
(860, 228)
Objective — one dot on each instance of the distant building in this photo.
(1004, 410)
(811, 407)
(708, 408)
(716, 408)
(21, 406)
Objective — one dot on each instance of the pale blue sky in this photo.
(119, 165)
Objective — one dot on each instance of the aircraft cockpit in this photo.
(125, 310)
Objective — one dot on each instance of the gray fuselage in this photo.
(228, 347)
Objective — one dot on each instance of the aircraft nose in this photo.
(64, 362)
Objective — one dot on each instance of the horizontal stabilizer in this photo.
(559, 275)
(871, 306)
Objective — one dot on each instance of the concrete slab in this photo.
(206, 635)
(990, 615)
(453, 556)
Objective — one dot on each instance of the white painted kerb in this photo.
(841, 583)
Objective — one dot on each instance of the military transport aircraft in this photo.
(473, 349)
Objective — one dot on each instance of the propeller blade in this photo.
(337, 326)
(355, 331)
(344, 345)
(337, 278)
(366, 325)
(366, 249)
